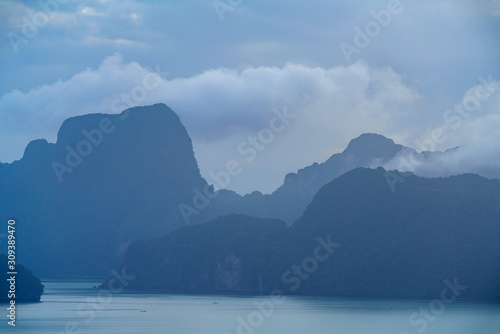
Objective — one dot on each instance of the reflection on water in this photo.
(74, 307)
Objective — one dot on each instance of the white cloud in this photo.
(222, 107)
(89, 11)
(118, 41)
(472, 128)
(16, 16)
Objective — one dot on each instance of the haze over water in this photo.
(67, 307)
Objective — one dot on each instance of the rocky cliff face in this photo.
(108, 180)
(229, 274)
(230, 254)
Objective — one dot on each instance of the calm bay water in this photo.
(74, 307)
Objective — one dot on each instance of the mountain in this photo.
(113, 179)
(289, 201)
(27, 288)
(107, 181)
(110, 180)
(370, 150)
(229, 254)
(357, 238)
(401, 244)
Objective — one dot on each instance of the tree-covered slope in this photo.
(403, 243)
(28, 288)
(357, 238)
(229, 254)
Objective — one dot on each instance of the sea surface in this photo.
(76, 307)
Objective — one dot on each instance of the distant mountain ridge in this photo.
(110, 180)
(357, 238)
(290, 200)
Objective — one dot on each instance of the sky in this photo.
(275, 85)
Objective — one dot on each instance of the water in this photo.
(74, 307)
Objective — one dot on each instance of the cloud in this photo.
(488, 7)
(39, 112)
(222, 108)
(15, 15)
(188, 38)
(89, 11)
(471, 127)
(52, 22)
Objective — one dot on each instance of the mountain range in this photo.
(357, 238)
(112, 180)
